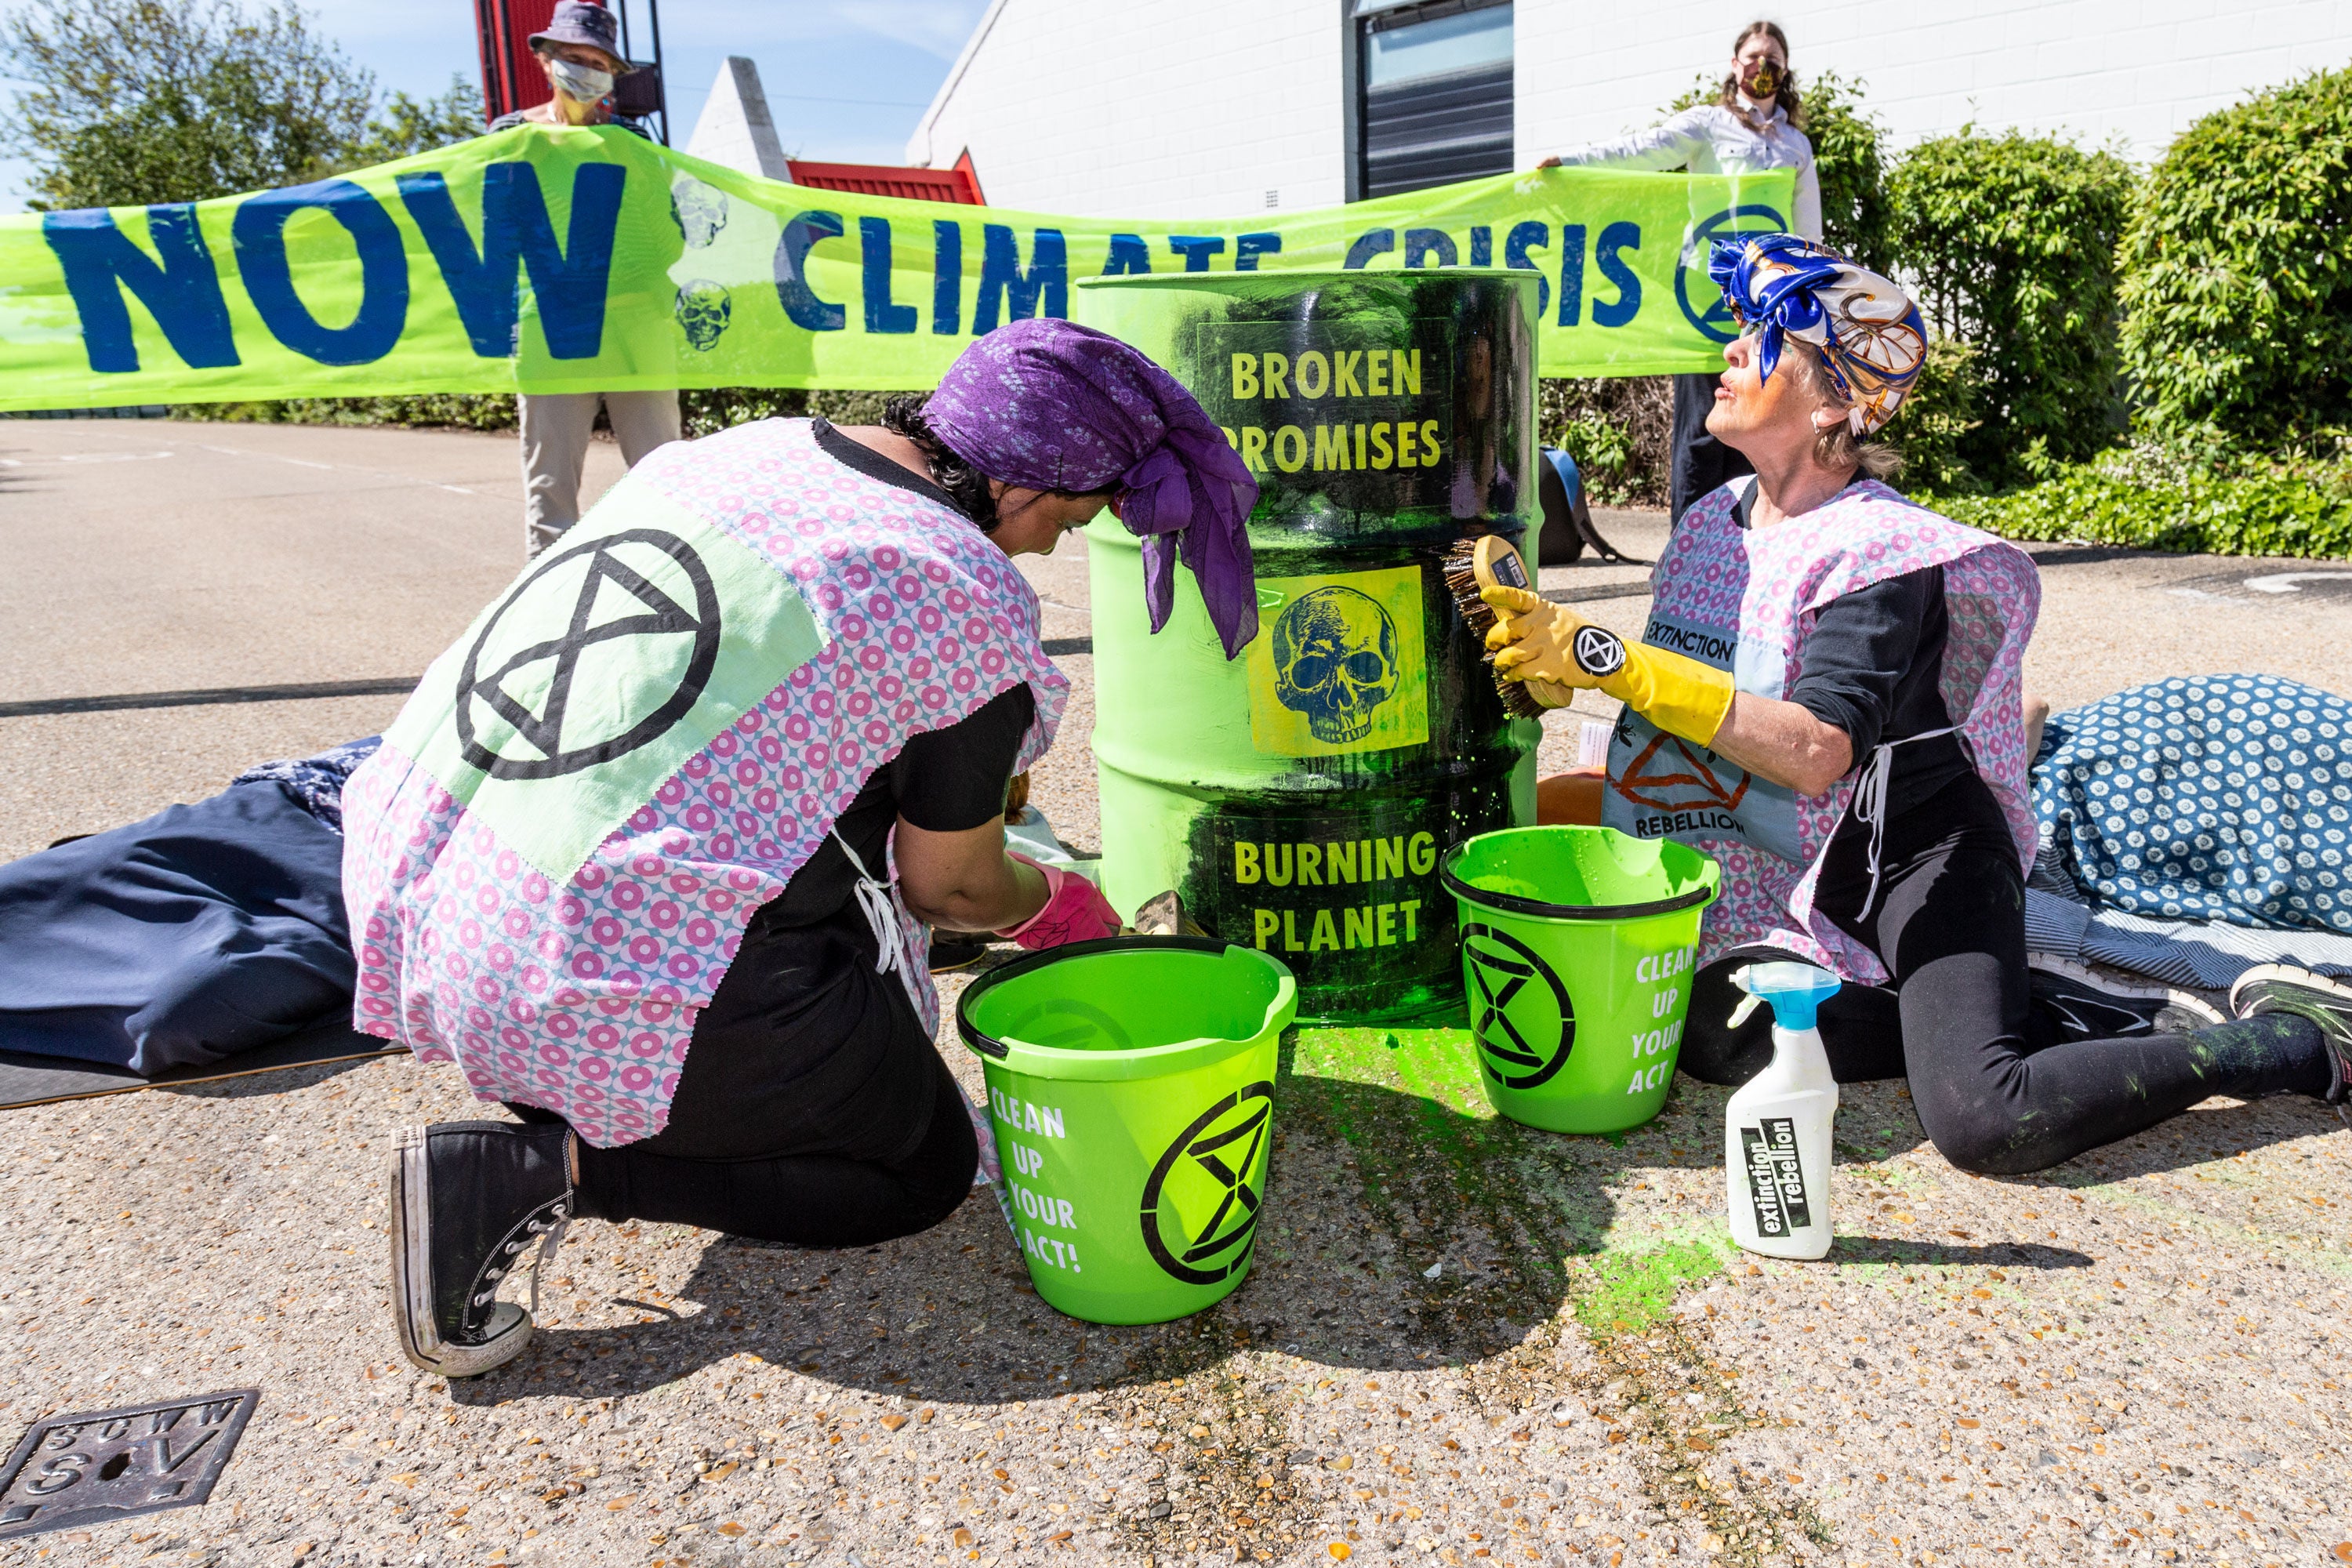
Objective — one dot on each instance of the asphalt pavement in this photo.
(1463, 1341)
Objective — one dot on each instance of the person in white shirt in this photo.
(1750, 127)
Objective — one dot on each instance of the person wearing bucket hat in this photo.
(653, 850)
(1827, 697)
(580, 50)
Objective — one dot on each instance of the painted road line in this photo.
(1591, 595)
(397, 686)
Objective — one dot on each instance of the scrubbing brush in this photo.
(1489, 561)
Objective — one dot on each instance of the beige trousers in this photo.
(555, 430)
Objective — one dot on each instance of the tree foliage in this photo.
(2010, 243)
(406, 126)
(1849, 160)
(134, 101)
(2237, 285)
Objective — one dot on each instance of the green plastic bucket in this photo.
(1131, 1084)
(1577, 952)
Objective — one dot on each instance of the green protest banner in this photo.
(544, 259)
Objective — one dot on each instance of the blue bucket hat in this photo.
(582, 22)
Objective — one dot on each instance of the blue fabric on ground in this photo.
(318, 782)
(204, 931)
(2207, 955)
(2218, 797)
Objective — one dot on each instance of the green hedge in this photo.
(2145, 499)
(444, 411)
(2012, 240)
(699, 412)
(2238, 295)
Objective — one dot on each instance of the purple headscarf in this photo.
(1051, 406)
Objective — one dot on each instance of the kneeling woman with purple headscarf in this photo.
(652, 853)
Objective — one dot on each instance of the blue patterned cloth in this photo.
(2214, 797)
(317, 782)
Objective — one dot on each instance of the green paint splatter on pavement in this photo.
(1633, 1292)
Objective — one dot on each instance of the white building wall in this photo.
(2133, 72)
(1126, 108)
(1198, 110)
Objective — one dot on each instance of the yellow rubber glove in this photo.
(1544, 644)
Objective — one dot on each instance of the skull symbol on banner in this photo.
(1335, 660)
(698, 210)
(703, 309)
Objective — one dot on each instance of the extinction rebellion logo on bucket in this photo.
(1201, 1206)
(1520, 1011)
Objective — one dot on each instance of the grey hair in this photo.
(1837, 447)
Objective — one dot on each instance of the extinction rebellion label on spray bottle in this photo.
(1776, 1182)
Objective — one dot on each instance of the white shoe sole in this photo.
(412, 1278)
(2287, 975)
(2188, 1002)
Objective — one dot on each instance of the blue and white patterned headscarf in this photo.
(1869, 331)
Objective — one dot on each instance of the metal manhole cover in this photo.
(95, 1466)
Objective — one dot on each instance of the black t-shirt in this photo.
(946, 781)
(1873, 666)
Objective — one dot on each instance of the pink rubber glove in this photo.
(1075, 910)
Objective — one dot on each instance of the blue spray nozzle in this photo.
(1795, 990)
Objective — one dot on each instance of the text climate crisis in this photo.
(177, 276)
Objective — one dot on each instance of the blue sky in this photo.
(846, 78)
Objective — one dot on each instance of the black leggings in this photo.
(812, 1109)
(1994, 1087)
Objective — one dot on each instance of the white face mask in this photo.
(581, 84)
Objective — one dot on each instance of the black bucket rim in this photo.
(989, 1045)
(1511, 903)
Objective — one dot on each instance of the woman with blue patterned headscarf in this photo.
(1828, 700)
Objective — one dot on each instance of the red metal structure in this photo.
(512, 79)
(960, 184)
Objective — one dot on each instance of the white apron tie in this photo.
(882, 914)
(1870, 802)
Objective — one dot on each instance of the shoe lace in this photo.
(550, 1232)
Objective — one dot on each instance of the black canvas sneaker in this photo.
(2092, 1007)
(2282, 988)
(468, 1198)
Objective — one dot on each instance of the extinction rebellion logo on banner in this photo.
(1200, 1206)
(1695, 288)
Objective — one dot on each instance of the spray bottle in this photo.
(1776, 1130)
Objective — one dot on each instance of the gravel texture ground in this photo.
(1463, 1340)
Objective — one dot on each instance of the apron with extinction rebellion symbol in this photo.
(550, 861)
(1744, 600)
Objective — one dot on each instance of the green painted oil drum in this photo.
(1300, 797)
